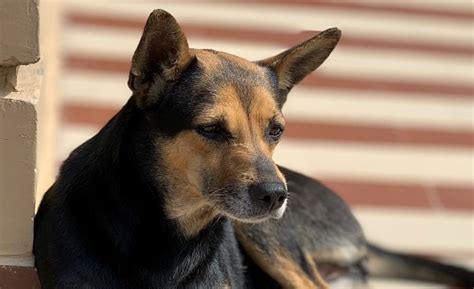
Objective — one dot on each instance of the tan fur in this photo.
(229, 107)
(281, 176)
(262, 110)
(242, 62)
(208, 60)
(290, 275)
(279, 264)
(314, 270)
(185, 202)
(232, 160)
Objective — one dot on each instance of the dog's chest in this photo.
(212, 264)
(220, 273)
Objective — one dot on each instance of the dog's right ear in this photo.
(161, 56)
(294, 64)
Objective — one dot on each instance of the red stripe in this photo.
(316, 131)
(461, 198)
(109, 65)
(91, 115)
(255, 35)
(90, 63)
(404, 195)
(333, 131)
(18, 276)
(366, 6)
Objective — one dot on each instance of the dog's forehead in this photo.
(232, 78)
(212, 58)
(223, 68)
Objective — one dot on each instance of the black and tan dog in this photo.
(169, 193)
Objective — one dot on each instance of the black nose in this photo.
(269, 195)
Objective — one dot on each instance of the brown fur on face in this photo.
(208, 178)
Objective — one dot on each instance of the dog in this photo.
(179, 189)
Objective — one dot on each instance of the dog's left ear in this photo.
(161, 56)
(292, 65)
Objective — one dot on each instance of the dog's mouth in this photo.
(256, 219)
(240, 205)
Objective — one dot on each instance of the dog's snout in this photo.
(270, 195)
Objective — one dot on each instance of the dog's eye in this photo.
(275, 131)
(213, 131)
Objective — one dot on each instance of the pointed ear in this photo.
(161, 56)
(292, 65)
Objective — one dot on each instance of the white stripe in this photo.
(398, 163)
(344, 62)
(418, 230)
(379, 109)
(336, 160)
(71, 136)
(354, 23)
(111, 90)
(95, 89)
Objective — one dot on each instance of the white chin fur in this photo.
(248, 221)
(276, 215)
(279, 213)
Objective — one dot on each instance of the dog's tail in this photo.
(388, 264)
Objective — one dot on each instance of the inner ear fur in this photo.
(294, 64)
(161, 56)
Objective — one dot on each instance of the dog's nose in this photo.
(270, 195)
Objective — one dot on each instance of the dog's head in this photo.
(216, 119)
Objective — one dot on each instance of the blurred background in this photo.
(387, 121)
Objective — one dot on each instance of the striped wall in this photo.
(387, 121)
